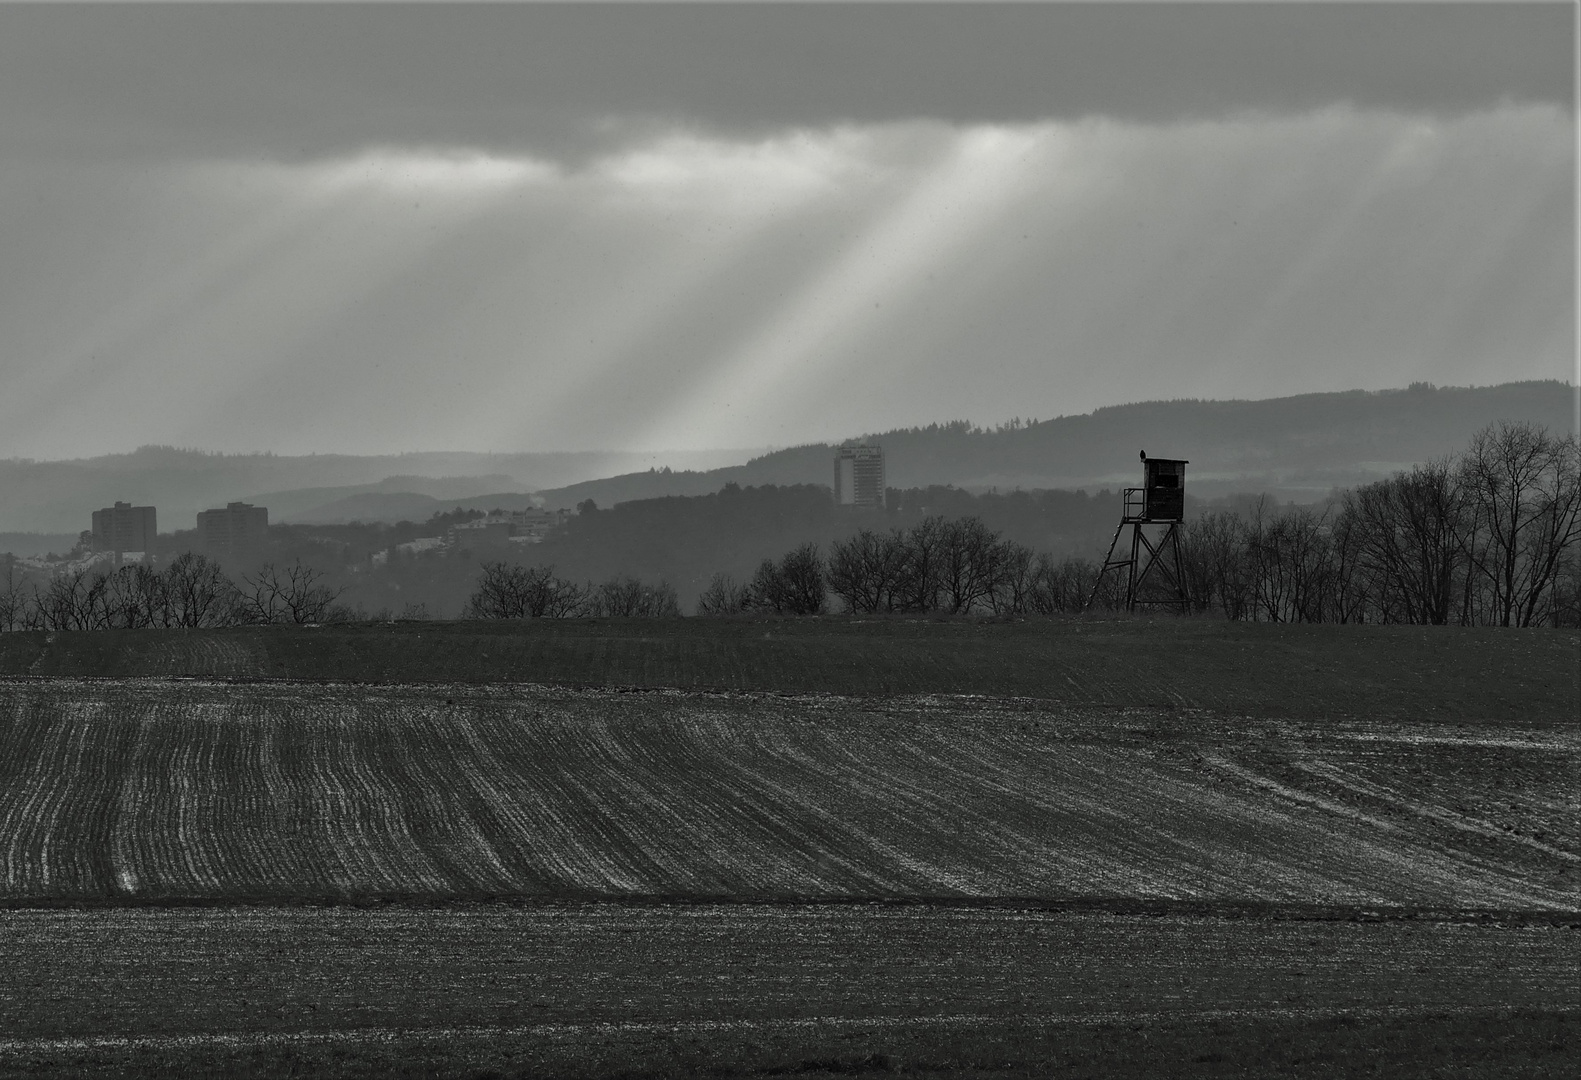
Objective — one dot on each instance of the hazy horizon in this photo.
(689, 458)
(535, 229)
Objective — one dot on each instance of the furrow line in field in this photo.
(577, 845)
(738, 824)
(922, 808)
(381, 739)
(192, 784)
(377, 839)
(24, 772)
(525, 786)
(657, 813)
(755, 835)
(748, 829)
(796, 796)
(499, 787)
(444, 822)
(1463, 822)
(1076, 792)
(490, 785)
(1444, 874)
(282, 851)
(335, 822)
(126, 837)
(607, 797)
(40, 845)
(1216, 843)
(1051, 811)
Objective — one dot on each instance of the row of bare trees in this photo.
(939, 565)
(190, 592)
(510, 591)
(1486, 538)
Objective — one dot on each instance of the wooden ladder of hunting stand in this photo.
(1161, 500)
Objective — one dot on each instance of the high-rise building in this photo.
(859, 476)
(234, 534)
(124, 527)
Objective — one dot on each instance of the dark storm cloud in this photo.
(290, 81)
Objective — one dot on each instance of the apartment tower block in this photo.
(859, 476)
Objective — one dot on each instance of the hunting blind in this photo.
(1160, 501)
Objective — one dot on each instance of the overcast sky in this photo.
(371, 228)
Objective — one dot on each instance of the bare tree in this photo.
(134, 597)
(1523, 489)
(13, 604)
(724, 596)
(1014, 579)
(292, 594)
(1408, 536)
(967, 565)
(501, 593)
(629, 597)
(1063, 587)
(866, 569)
(72, 600)
(1218, 573)
(509, 591)
(197, 593)
(794, 586)
(919, 587)
(1292, 567)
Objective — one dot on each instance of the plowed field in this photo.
(152, 790)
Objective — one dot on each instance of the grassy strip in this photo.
(1456, 674)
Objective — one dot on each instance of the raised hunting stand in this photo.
(1161, 500)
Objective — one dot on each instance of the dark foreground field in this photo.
(760, 990)
(1086, 849)
(1412, 673)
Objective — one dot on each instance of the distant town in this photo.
(238, 534)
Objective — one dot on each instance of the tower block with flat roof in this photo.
(124, 527)
(234, 534)
(859, 476)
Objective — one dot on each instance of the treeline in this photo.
(510, 591)
(191, 592)
(1488, 537)
(956, 567)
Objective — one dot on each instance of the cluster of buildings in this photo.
(501, 527)
(238, 532)
(126, 533)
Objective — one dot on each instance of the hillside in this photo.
(1294, 448)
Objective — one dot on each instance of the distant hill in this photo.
(60, 496)
(1296, 448)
